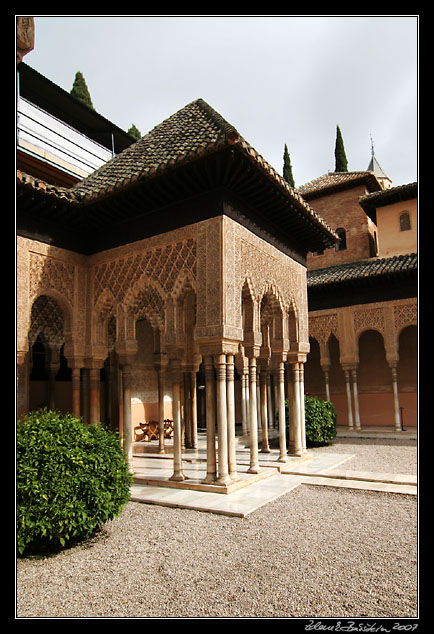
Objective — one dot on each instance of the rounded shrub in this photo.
(320, 419)
(71, 479)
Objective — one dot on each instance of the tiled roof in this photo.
(39, 185)
(334, 180)
(362, 270)
(388, 196)
(192, 132)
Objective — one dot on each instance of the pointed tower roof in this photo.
(375, 167)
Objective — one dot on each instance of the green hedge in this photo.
(320, 421)
(71, 479)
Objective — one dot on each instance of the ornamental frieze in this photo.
(50, 273)
(162, 264)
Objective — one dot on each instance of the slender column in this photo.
(85, 389)
(327, 383)
(396, 399)
(348, 389)
(187, 411)
(356, 398)
(222, 422)
(264, 411)
(160, 382)
(269, 401)
(244, 403)
(75, 377)
(53, 369)
(94, 394)
(302, 410)
(290, 393)
(258, 401)
(193, 417)
(280, 374)
(210, 394)
(232, 461)
(127, 431)
(177, 475)
(276, 399)
(298, 444)
(253, 418)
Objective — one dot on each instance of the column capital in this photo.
(213, 347)
(349, 367)
(296, 357)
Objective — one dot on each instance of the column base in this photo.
(178, 477)
(282, 459)
(265, 450)
(254, 469)
(223, 480)
(210, 479)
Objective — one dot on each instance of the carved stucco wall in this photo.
(348, 323)
(248, 257)
(215, 257)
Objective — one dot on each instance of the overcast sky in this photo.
(277, 79)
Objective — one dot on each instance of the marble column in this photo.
(210, 395)
(355, 398)
(280, 375)
(264, 410)
(253, 418)
(127, 431)
(348, 390)
(193, 417)
(94, 389)
(85, 395)
(327, 383)
(296, 416)
(269, 402)
(290, 395)
(230, 395)
(160, 385)
(245, 403)
(178, 475)
(222, 423)
(75, 378)
(302, 409)
(53, 369)
(398, 425)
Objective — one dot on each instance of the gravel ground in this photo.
(376, 454)
(316, 552)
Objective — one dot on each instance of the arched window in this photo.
(342, 244)
(404, 221)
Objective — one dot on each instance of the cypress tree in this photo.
(287, 168)
(134, 131)
(341, 163)
(80, 91)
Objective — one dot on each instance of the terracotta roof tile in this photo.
(362, 269)
(185, 136)
(334, 180)
(388, 196)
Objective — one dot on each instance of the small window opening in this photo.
(342, 244)
(404, 221)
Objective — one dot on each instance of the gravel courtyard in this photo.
(315, 552)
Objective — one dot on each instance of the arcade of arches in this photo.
(364, 359)
(206, 325)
